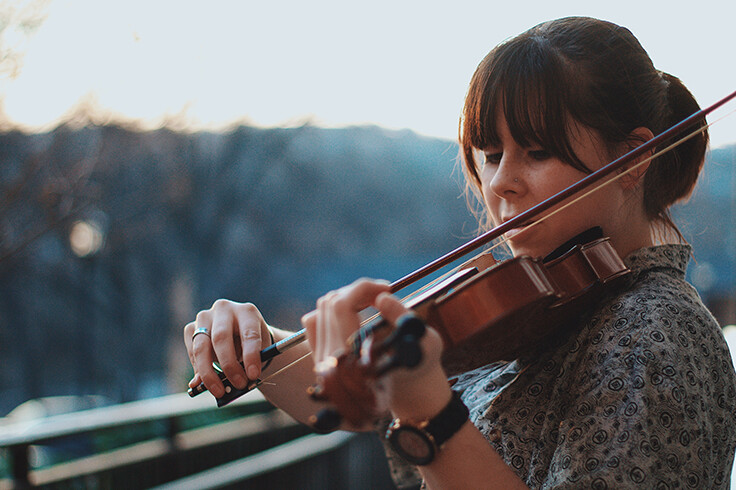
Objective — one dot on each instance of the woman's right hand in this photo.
(235, 332)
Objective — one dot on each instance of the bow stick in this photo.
(490, 235)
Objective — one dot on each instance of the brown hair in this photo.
(595, 73)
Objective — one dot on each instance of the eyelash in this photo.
(538, 155)
(493, 159)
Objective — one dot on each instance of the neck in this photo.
(633, 235)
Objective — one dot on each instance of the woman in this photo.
(640, 391)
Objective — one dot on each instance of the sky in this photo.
(397, 64)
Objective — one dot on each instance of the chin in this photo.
(518, 251)
(526, 247)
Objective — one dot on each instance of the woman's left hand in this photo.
(337, 317)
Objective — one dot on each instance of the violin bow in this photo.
(518, 220)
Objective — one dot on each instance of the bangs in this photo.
(522, 80)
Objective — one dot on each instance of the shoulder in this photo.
(657, 308)
(650, 369)
(657, 321)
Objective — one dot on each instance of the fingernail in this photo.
(252, 372)
(239, 382)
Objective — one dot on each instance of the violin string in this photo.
(280, 370)
(420, 290)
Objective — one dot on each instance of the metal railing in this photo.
(180, 442)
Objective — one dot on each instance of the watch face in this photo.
(413, 445)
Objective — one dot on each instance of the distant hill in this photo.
(708, 221)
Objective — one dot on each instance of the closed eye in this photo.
(492, 158)
(540, 155)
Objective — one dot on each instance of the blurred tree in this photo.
(45, 183)
(19, 20)
(58, 191)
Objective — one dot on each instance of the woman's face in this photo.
(515, 178)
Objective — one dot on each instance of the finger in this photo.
(337, 315)
(309, 323)
(361, 294)
(321, 328)
(188, 332)
(204, 356)
(203, 359)
(390, 307)
(223, 343)
(195, 381)
(342, 314)
(341, 319)
(250, 327)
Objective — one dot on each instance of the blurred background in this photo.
(156, 156)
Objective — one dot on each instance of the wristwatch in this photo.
(418, 443)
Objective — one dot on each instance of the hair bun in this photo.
(681, 165)
(681, 101)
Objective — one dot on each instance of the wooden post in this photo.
(21, 467)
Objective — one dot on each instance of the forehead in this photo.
(522, 90)
(524, 118)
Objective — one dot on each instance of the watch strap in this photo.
(446, 423)
(433, 432)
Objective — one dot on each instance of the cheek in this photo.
(491, 200)
(486, 176)
(492, 205)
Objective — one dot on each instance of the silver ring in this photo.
(516, 180)
(201, 330)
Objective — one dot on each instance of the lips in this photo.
(518, 229)
(525, 224)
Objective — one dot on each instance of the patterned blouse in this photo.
(643, 395)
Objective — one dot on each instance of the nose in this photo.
(506, 179)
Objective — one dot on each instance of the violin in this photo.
(487, 310)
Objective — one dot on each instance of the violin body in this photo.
(507, 310)
(488, 311)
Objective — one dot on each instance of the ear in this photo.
(636, 138)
